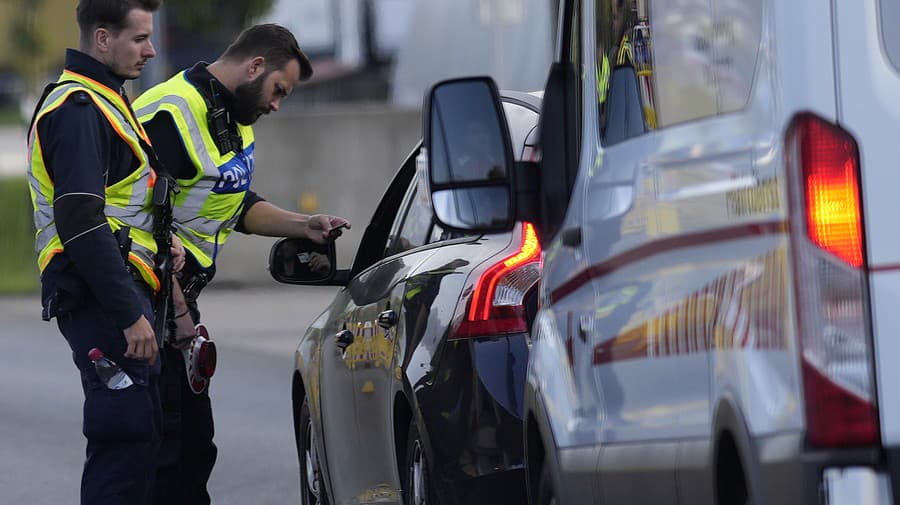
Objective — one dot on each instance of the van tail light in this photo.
(831, 172)
(832, 303)
(496, 304)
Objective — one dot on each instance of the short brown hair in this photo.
(109, 14)
(273, 42)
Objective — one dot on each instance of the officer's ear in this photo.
(256, 67)
(102, 38)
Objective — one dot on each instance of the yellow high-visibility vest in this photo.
(209, 204)
(128, 201)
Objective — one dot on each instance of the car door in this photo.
(375, 318)
(349, 344)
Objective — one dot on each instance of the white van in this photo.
(716, 191)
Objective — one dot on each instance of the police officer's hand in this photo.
(141, 341)
(320, 227)
(177, 252)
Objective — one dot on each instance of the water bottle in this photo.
(111, 375)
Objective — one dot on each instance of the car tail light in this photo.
(832, 305)
(495, 305)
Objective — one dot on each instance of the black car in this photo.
(408, 387)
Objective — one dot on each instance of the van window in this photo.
(738, 30)
(890, 18)
(624, 67)
(577, 59)
(681, 57)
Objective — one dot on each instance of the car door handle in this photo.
(571, 237)
(387, 319)
(343, 339)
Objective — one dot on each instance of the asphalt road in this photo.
(256, 330)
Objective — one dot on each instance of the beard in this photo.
(247, 100)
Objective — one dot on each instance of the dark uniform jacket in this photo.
(84, 155)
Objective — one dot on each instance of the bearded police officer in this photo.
(200, 123)
(90, 176)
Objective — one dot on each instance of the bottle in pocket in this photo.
(110, 374)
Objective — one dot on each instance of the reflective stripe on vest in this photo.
(127, 202)
(209, 204)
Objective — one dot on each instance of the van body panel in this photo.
(869, 109)
(669, 298)
(885, 291)
(803, 58)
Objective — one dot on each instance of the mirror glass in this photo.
(484, 207)
(467, 141)
(303, 260)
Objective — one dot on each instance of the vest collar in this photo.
(84, 64)
(206, 84)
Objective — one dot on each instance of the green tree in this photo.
(220, 20)
(28, 45)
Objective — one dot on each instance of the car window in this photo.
(372, 245)
(414, 221)
(624, 67)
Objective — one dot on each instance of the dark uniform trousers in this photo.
(122, 426)
(188, 453)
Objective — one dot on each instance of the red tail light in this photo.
(836, 417)
(830, 169)
(832, 300)
(496, 304)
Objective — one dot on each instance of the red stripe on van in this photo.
(889, 267)
(665, 245)
(741, 309)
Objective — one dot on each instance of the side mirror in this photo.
(468, 155)
(302, 261)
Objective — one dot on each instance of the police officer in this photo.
(200, 123)
(90, 176)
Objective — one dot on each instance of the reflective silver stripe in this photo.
(140, 221)
(199, 224)
(43, 216)
(208, 227)
(194, 200)
(145, 254)
(44, 236)
(209, 166)
(208, 248)
(188, 231)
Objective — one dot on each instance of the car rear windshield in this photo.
(890, 20)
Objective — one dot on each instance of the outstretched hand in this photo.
(321, 227)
